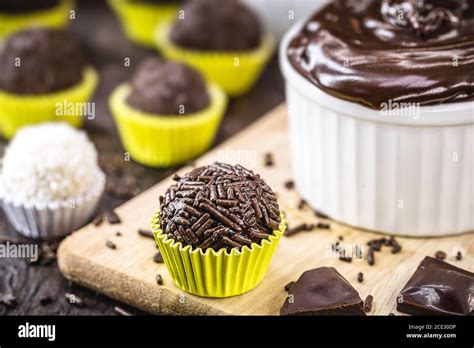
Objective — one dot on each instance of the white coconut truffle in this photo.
(49, 162)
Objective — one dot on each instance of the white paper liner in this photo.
(55, 219)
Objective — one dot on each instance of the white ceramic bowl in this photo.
(276, 14)
(402, 175)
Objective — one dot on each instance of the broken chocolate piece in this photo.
(322, 291)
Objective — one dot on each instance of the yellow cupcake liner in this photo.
(166, 140)
(56, 17)
(235, 72)
(139, 20)
(213, 273)
(18, 110)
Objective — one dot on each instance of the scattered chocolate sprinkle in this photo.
(371, 256)
(440, 255)
(323, 226)
(459, 256)
(344, 257)
(219, 206)
(360, 277)
(176, 177)
(396, 248)
(146, 233)
(290, 184)
(341, 238)
(112, 217)
(158, 258)
(368, 303)
(302, 204)
(110, 244)
(98, 220)
(118, 234)
(74, 299)
(45, 300)
(300, 228)
(289, 285)
(122, 311)
(159, 279)
(269, 162)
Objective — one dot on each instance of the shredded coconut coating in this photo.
(49, 162)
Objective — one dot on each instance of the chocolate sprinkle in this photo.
(269, 162)
(371, 256)
(323, 226)
(219, 206)
(290, 184)
(440, 255)
(146, 233)
(300, 228)
(360, 277)
(368, 303)
(459, 256)
(110, 244)
(112, 217)
(158, 258)
(159, 279)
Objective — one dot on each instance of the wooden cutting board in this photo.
(128, 273)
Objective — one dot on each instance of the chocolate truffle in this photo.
(322, 291)
(25, 6)
(40, 61)
(437, 288)
(168, 88)
(219, 206)
(217, 25)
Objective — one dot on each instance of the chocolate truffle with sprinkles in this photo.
(220, 206)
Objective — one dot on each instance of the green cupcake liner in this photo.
(213, 273)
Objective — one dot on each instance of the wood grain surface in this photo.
(106, 47)
(128, 273)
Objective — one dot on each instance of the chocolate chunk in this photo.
(440, 255)
(168, 88)
(231, 206)
(360, 277)
(322, 291)
(217, 25)
(50, 60)
(368, 303)
(437, 288)
(146, 233)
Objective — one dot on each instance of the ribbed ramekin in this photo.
(52, 220)
(402, 175)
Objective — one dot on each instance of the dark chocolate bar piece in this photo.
(322, 291)
(438, 288)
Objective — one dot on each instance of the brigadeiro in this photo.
(17, 15)
(223, 39)
(218, 227)
(163, 88)
(168, 113)
(39, 69)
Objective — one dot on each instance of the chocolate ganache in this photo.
(373, 52)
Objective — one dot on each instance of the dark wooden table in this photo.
(107, 48)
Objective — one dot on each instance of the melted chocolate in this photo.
(374, 52)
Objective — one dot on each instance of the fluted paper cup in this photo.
(52, 220)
